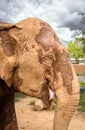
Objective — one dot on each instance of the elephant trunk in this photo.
(64, 113)
(66, 91)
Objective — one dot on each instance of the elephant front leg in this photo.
(7, 113)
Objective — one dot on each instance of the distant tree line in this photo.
(76, 47)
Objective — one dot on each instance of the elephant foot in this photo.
(39, 105)
(7, 113)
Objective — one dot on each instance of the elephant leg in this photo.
(7, 113)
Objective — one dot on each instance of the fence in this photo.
(80, 70)
(81, 60)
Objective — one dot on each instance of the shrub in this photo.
(82, 103)
(82, 84)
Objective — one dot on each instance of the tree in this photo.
(81, 40)
(79, 36)
(76, 50)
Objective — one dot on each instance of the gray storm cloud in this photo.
(61, 15)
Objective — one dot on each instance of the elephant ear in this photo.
(5, 25)
(7, 65)
(7, 54)
(8, 26)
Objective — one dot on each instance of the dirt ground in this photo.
(28, 119)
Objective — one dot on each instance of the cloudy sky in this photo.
(62, 15)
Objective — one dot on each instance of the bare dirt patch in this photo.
(28, 119)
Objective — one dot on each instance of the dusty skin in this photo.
(32, 61)
(28, 119)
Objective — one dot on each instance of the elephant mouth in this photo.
(46, 94)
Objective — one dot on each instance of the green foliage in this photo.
(80, 74)
(82, 84)
(19, 95)
(81, 35)
(32, 102)
(75, 50)
(82, 103)
(81, 40)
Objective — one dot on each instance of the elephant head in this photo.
(32, 60)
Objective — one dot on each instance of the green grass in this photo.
(80, 74)
(19, 95)
(82, 103)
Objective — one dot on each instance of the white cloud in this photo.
(61, 15)
(65, 33)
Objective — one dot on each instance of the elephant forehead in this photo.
(30, 74)
(45, 37)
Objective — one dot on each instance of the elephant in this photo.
(39, 104)
(32, 61)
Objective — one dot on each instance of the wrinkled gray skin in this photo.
(32, 60)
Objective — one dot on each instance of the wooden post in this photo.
(79, 68)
